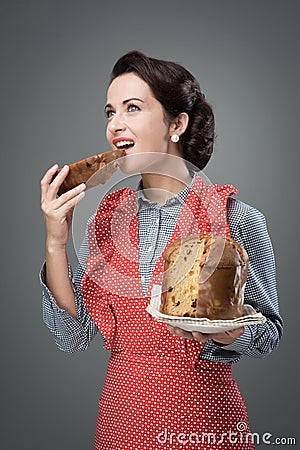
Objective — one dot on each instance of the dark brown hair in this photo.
(178, 91)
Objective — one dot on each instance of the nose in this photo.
(116, 124)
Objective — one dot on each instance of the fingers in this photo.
(179, 332)
(64, 207)
(237, 332)
(71, 198)
(67, 207)
(58, 211)
(50, 185)
(53, 207)
(226, 337)
(58, 180)
(45, 181)
(200, 337)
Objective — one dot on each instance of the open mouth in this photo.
(124, 145)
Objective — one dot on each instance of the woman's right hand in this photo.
(58, 211)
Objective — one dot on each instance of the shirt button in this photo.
(157, 221)
(143, 279)
(149, 249)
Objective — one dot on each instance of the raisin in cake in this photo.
(204, 276)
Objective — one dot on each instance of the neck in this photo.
(165, 184)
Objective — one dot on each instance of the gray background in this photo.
(56, 58)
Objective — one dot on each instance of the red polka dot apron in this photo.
(158, 394)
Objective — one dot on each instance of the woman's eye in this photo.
(132, 108)
(109, 113)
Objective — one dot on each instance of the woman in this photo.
(164, 387)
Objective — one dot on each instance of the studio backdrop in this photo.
(56, 57)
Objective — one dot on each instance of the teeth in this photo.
(123, 143)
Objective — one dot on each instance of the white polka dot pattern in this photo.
(145, 397)
(155, 380)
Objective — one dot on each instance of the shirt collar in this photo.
(143, 202)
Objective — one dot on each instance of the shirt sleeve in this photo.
(260, 292)
(70, 334)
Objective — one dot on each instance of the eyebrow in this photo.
(125, 102)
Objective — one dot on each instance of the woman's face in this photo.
(135, 122)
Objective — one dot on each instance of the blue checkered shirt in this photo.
(156, 225)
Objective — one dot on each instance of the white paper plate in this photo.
(250, 317)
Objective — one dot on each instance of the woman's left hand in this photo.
(225, 338)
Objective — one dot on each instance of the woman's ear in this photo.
(179, 125)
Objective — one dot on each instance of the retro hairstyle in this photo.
(178, 91)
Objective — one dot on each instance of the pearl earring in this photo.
(174, 138)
